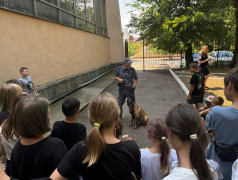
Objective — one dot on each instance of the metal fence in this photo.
(148, 57)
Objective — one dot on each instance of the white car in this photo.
(223, 56)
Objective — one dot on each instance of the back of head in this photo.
(23, 69)
(157, 131)
(193, 65)
(103, 113)
(31, 117)
(70, 107)
(8, 93)
(184, 121)
(14, 81)
(218, 100)
(232, 77)
(7, 126)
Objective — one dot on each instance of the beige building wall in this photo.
(51, 51)
(115, 30)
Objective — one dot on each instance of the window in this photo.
(80, 8)
(67, 5)
(90, 10)
(88, 15)
(52, 2)
(47, 12)
(22, 6)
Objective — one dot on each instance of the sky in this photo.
(125, 15)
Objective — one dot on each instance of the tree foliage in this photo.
(133, 48)
(175, 26)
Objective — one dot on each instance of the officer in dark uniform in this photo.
(127, 77)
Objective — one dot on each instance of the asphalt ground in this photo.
(156, 92)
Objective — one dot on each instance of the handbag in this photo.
(227, 154)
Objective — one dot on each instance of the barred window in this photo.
(88, 15)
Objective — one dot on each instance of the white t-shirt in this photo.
(150, 164)
(179, 173)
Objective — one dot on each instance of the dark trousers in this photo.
(124, 93)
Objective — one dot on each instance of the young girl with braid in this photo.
(102, 156)
(156, 161)
(186, 136)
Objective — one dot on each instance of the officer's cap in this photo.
(128, 60)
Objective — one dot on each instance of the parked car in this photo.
(195, 56)
(223, 56)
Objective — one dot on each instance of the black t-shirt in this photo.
(70, 133)
(117, 162)
(3, 116)
(197, 79)
(203, 57)
(37, 160)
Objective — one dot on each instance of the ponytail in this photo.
(96, 145)
(103, 112)
(184, 121)
(198, 161)
(164, 159)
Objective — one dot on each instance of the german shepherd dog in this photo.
(138, 115)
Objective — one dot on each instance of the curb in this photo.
(185, 89)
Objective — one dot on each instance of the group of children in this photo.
(68, 153)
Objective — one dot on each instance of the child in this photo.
(34, 155)
(216, 101)
(8, 93)
(8, 137)
(208, 102)
(196, 90)
(223, 121)
(102, 156)
(156, 161)
(185, 135)
(69, 130)
(26, 82)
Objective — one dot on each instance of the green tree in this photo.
(179, 25)
(235, 57)
(133, 48)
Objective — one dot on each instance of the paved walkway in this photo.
(157, 92)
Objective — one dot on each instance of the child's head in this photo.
(209, 101)
(24, 71)
(7, 127)
(103, 111)
(70, 107)
(204, 50)
(193, 67)
(185, 130)
(8, 93)
(14, 81)
(31, 117)
(157, 132)
(231, 84)
(217, 101)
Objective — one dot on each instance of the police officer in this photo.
(127, 77)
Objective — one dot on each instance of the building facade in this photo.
(59, 41)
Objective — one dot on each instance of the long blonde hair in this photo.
(203, 48)
(8, 93)
(104, 111)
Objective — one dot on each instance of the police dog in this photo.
(138, 115)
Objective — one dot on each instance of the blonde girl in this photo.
(203, 62)
(8, 93)
(102, 156)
